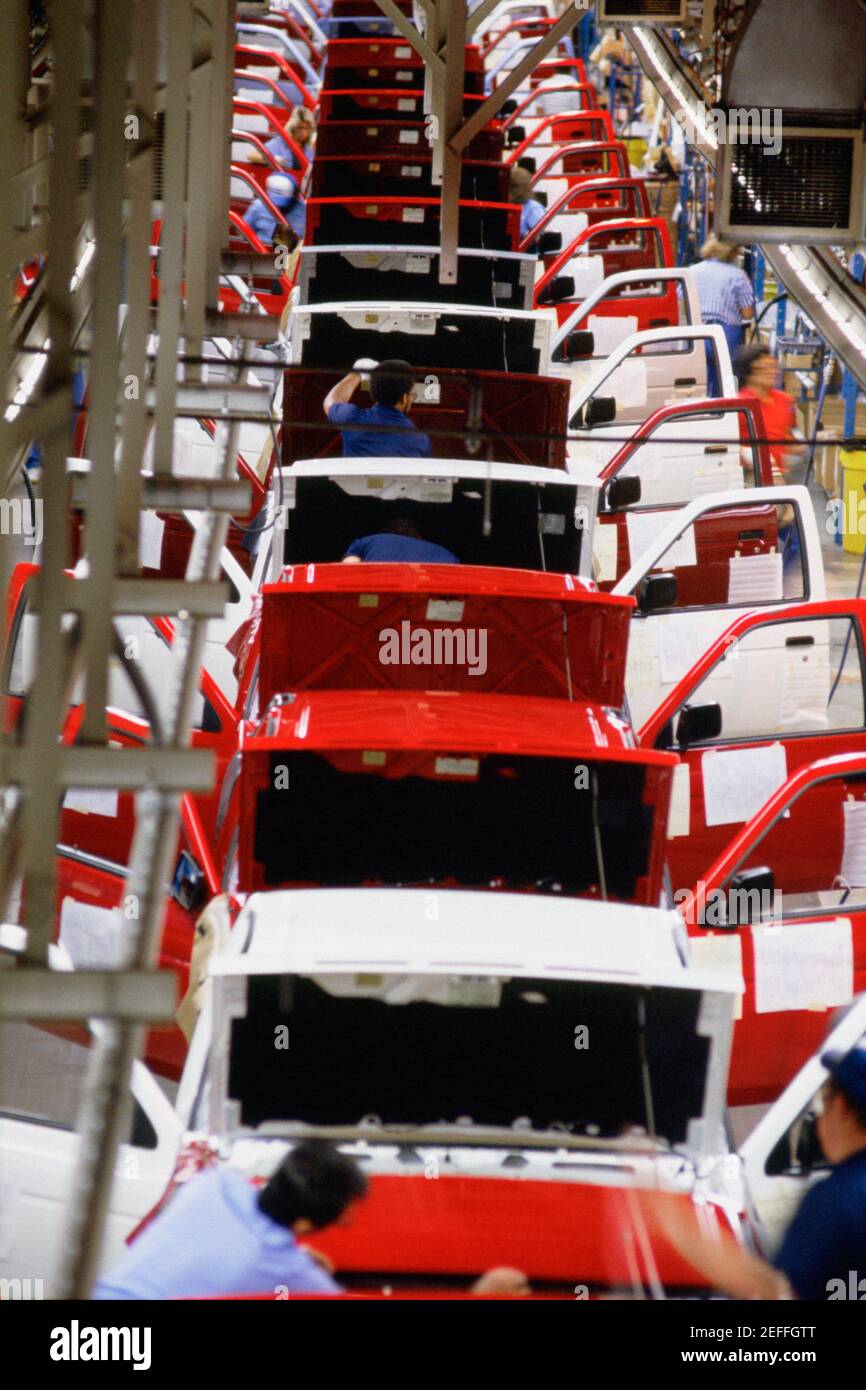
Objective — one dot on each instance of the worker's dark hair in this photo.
(746, 357)
(390, 381)
(314, 1181)
(858, 1110)
(402, 526)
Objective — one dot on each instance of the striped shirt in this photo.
(724, 291)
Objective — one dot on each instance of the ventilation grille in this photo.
(808, 184)
(653, 11)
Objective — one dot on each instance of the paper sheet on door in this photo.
(643, 529)
(92, 935)
(92, 801)
(679, 814)
(627, 384)
(806, 965)
(681, 642)
(640, 670)
(755, 578)
(723, 954)
(805, 688)
(722, 476)
(853, 870)
(150, 540)
(605, 551)
(737, 783)
(588, 272)
(609, 331)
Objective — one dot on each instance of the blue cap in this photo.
(848, 1070)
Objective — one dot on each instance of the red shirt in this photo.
(777, 411)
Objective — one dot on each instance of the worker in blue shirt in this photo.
(382, 430)
(219, 1235)
(301, 127)
(823, 1255)
(826, 1241)
(519, 191)
(399, 540)
(283, 193)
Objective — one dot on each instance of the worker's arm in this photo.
(748, 312)
(342, 393)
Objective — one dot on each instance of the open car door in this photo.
(671, 459)
(783, 905)
(715, 559)
(662, 366)
(781, 1158)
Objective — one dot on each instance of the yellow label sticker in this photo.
(373, 758)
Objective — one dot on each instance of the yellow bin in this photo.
(636, 146)
(853, 517)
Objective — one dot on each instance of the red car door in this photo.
(784, 905)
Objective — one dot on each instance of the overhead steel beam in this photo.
(488, 109)
(450, 121)
(135, 996)
(812, 275)
(408, 30)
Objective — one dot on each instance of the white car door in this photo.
(730, 553)
(40, 1087)
(775, 1174)
(648, 370)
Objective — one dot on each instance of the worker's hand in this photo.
(364, 366)
(321, 1260)
(502, 1280)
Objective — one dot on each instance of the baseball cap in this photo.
(848, 1070)
(280, 188)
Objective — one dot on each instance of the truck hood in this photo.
(324, 627)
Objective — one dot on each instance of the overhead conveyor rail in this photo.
(814, 277)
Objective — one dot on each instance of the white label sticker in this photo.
(410, 171)
(413, 214)
(417, 265)
(435, 490)
(739, 782)
(404, 74)
(679, 815)
(644, 527)
(456, 767)
(91, 801)
(407, 103)
(805, 965)
(501, 289)
(409, 137)
(722, 954)
(446, 610)
(403, 51)
(605, 551)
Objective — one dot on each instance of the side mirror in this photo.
(528, 163)
(515, 135)
(657, 591)
(189, 886)
(601, 410)
(508, 108)
(575, 345)
(548, 243)
(622, 493)
(698, 723)
(562, 287)
(750, 892)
